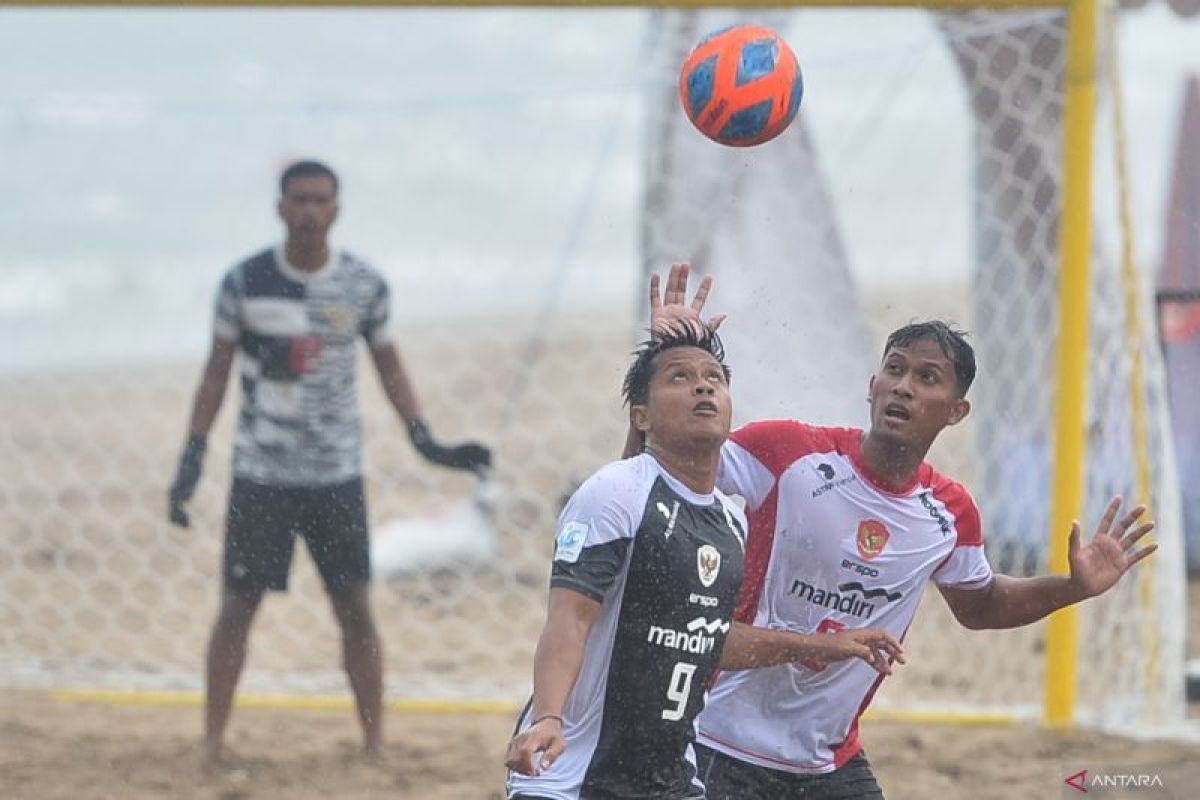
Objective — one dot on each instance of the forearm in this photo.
(1013, 602)
(396, 385)
(748, 647)
(402, 397)
(556, 665)
(209, 397)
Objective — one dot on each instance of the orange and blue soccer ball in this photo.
(741, 85)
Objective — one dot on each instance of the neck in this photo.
(893, 462)
(695, 469)
(306, 256)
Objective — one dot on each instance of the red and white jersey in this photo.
(829, 548)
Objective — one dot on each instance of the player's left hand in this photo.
(670, 309)
(545, 737)
(876, 647)
(1098, 565)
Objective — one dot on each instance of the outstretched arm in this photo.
(748, 647)
(396, 385)
(1009, 602)
(399, 390)
(556, 665)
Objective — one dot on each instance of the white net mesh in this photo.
(503, 198)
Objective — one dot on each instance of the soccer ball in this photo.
(741, 85)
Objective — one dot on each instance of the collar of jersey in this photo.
(873, 478)
(303, 276)
(679, 488)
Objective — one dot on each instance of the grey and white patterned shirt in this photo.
(299, 421)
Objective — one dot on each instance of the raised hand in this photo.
(545, 737)
(1098, 565)
(670, 309)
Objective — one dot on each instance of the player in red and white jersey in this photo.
(834, 546)
(847, 527)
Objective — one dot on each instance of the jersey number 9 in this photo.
(678, 690)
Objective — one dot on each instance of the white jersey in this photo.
(830, 548)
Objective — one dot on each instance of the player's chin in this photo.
(902, 431)
(698, 439)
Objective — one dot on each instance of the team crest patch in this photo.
(872, 538)
(570, 542)
(341, 318)
(708, 564)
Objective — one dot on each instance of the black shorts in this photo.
(261, 528)
(727, 778)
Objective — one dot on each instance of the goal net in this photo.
(931, 186)
(514, 188)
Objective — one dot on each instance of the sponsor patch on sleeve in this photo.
(570, 542)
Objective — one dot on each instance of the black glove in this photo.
(186, 478)
(470, 456)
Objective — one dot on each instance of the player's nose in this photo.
(903, 387)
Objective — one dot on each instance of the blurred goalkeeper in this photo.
(296, 312)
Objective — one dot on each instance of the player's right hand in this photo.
(670, 309)
(877, 648)
(544, 737)
(186, 478)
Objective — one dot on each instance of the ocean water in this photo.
(492, 160)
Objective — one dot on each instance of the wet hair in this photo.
(951, 339)
(300, 169)
(636, 388)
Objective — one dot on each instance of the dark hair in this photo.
(636, 388)
(952, 340)
(299, 169)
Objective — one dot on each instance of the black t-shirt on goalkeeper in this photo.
(666, 565)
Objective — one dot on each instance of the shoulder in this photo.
(620, 480)
(259, 276)
(360, 268)
(779, 443)
(258, 263)
(252, 267)
(958, 501)
(611, 503)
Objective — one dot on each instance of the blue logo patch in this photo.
(570, 542)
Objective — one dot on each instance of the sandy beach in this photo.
(97, 591)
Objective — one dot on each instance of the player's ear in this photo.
(959, 411)
(870, 387)
(639, 418)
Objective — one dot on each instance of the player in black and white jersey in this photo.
(647, 569)
(296, 312)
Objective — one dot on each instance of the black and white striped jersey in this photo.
(666, 565)
(299, 421)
